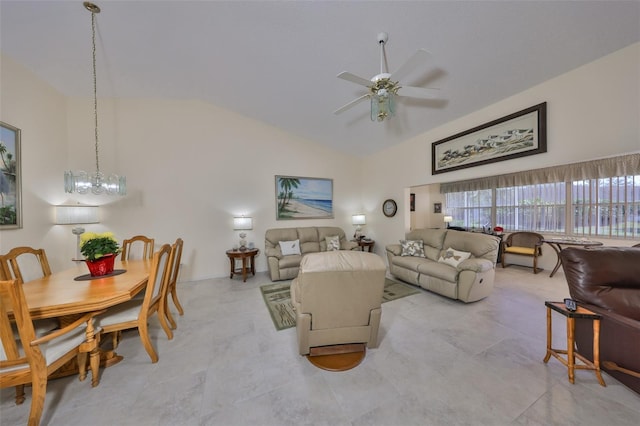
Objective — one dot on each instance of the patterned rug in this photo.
(278, 300)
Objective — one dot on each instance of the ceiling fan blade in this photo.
(418, 92)
(421, 55)
(350, 104)
(354, 79)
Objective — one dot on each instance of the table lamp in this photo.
(448, 220)
(240, 224)
(358, 220)
(76, 215)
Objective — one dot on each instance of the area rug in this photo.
(278, 300)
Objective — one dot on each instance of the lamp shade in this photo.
(241, 223)
(448, 219)
(358, 219)
(69, 215)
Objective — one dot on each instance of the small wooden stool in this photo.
(571, 352)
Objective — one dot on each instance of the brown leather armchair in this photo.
(606, 280)
(337, 297)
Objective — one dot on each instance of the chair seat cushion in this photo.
(56, 348)
(521, 250)
(124, 312)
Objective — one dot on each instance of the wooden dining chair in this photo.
(137, 247)
(31, 358)
(136, 312)
(176, 248)
(26, 264)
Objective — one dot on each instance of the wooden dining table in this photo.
(59, 295)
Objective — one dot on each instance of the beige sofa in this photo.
(469, 281)
(312, 240)
(337, 298)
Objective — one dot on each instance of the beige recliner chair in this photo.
(337, 297)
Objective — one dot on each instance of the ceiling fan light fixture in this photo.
(96, 182)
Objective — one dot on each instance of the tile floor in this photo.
(440, 362)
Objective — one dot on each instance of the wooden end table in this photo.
(243, 255)
(571, 352)
(366, 243)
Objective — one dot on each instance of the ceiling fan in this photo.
(384, 87)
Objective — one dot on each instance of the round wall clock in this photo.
(389, 208)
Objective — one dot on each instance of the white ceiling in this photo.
(277, 61)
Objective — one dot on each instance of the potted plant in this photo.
(100, 251)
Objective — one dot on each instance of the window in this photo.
(607, 207)
(532, 207)
(470, 209)
(594, 198)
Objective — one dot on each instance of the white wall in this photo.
(38, 110)
(592, 112)
(190, 168)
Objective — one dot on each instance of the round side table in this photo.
(366, 243)
(243, 255)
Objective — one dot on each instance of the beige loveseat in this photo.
(312, 239)
(470, 280)
(337, 298)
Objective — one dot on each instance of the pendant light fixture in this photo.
(96, 182)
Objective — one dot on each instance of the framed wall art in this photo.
(303, 198)
(10, 178)
(412, 202)
(437, 207)
(516, 135)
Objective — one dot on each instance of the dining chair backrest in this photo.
(158, 279)
(175, 264)
(25, 264)
(137, 247)
(5, 273)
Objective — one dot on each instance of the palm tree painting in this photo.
(303, 198)
(10, 211)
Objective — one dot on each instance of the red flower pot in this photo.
(102, 266)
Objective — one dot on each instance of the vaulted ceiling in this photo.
(277, 61)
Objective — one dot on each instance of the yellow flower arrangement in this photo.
(94, 246)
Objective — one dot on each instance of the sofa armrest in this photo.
(348, 245)
(395, 249)
(273, 252)
(475, 265)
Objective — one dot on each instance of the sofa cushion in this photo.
(453, 257)
(333, 243)
(438, 270)
(412, 248)
(308, 240)
(478, 244)
(290, 247)
(433, 240)
(410, 262)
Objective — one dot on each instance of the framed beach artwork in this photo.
(516, 135)
(10, 185)
(303, 198)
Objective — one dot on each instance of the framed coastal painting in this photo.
(516, 135)
(10, 185)
(303, 198)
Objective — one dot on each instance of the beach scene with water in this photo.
(304, 198)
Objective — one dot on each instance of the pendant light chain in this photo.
(95, 86)
(95, 183)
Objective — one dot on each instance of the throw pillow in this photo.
(412, 248)
(290, 247)
(333, 243)
(453, 257)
